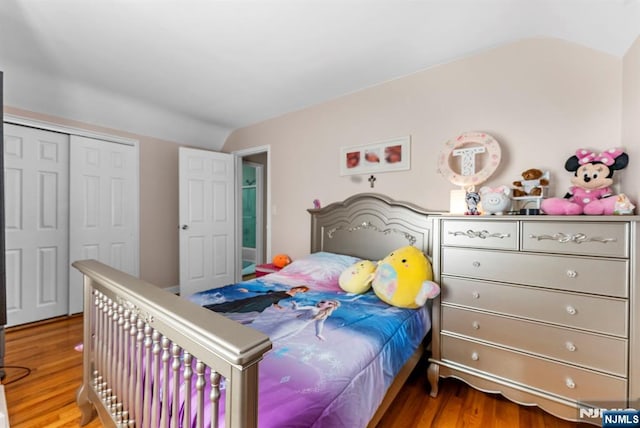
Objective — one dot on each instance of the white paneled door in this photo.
(207, 220)
(104, 218)
(37, 230)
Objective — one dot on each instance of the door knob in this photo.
(185, 227)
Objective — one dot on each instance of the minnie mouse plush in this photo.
(591, 193)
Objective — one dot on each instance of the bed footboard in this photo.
(153, 359)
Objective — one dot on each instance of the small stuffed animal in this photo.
(472, 199)
(403, 279)
(357, 277)
(623, 205)
(531, 184)
(495, 200)
(591, 193)
(281, 260)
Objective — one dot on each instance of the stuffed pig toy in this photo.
(495, 200)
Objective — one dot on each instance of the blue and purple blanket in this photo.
(334, 354)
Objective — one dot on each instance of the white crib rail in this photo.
(143, 347)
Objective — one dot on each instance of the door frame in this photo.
(267, 212)
(259, 168)
(70, 130)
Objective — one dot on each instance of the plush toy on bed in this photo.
(281, 260)
(403, 279)
(357, 277)
(591, 192)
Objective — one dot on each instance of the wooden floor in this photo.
(46, 396)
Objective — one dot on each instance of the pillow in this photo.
(319, 270)
(404, 279)
(357, 277)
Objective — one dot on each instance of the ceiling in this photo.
(194, 70)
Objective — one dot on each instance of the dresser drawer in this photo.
(484, 234)
(589, 275)
(556, 378)
(599, 314)
(595, 238)
(568, 345)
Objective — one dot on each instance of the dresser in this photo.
(542, 309)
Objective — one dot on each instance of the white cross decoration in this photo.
(468, 160)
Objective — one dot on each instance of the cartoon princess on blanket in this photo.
(293, 325)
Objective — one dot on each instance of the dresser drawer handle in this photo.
(482, 234)
(475, 325)
(576, 238)
(476, 264)
(475, 356)
(475, 295)
(572, 273)
(570, 383)
(571, 310)
(571, 347)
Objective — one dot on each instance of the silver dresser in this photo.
(542, 309)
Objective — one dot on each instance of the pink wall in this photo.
(631, 118)
(540, 98)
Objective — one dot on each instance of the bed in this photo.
(316, 356)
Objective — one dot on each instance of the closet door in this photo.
(36, 223)
(104, 208)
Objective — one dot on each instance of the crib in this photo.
(154, 359)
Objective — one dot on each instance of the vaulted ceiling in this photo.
(194, 70)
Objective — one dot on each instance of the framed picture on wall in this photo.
(383, 156)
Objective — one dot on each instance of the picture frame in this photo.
(383, 156)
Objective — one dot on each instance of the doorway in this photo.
(252, 213)
(254, 197)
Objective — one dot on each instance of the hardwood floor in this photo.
(46, 396)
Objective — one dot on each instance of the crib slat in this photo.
(155, 398)
(139, 375)
(188, 373)
(215, 398)
(126, 345)
(133, 372)
(111, 333)
(146, 394)
(120, 354)
(175, 370)
(166, 356)
(200, 382)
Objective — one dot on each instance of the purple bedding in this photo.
(334, 354)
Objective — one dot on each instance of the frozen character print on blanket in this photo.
(305, 316)
(245, 310)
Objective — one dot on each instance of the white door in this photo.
(207, 220)
(104, 215)
(37, 228)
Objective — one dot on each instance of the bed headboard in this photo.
(370, 226)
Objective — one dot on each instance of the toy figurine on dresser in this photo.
(591, 193)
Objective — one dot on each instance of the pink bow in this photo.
(607, 157)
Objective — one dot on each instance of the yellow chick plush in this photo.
(404, 279)
(357, 277)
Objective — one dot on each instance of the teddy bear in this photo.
(591, 192)
(531, 184)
